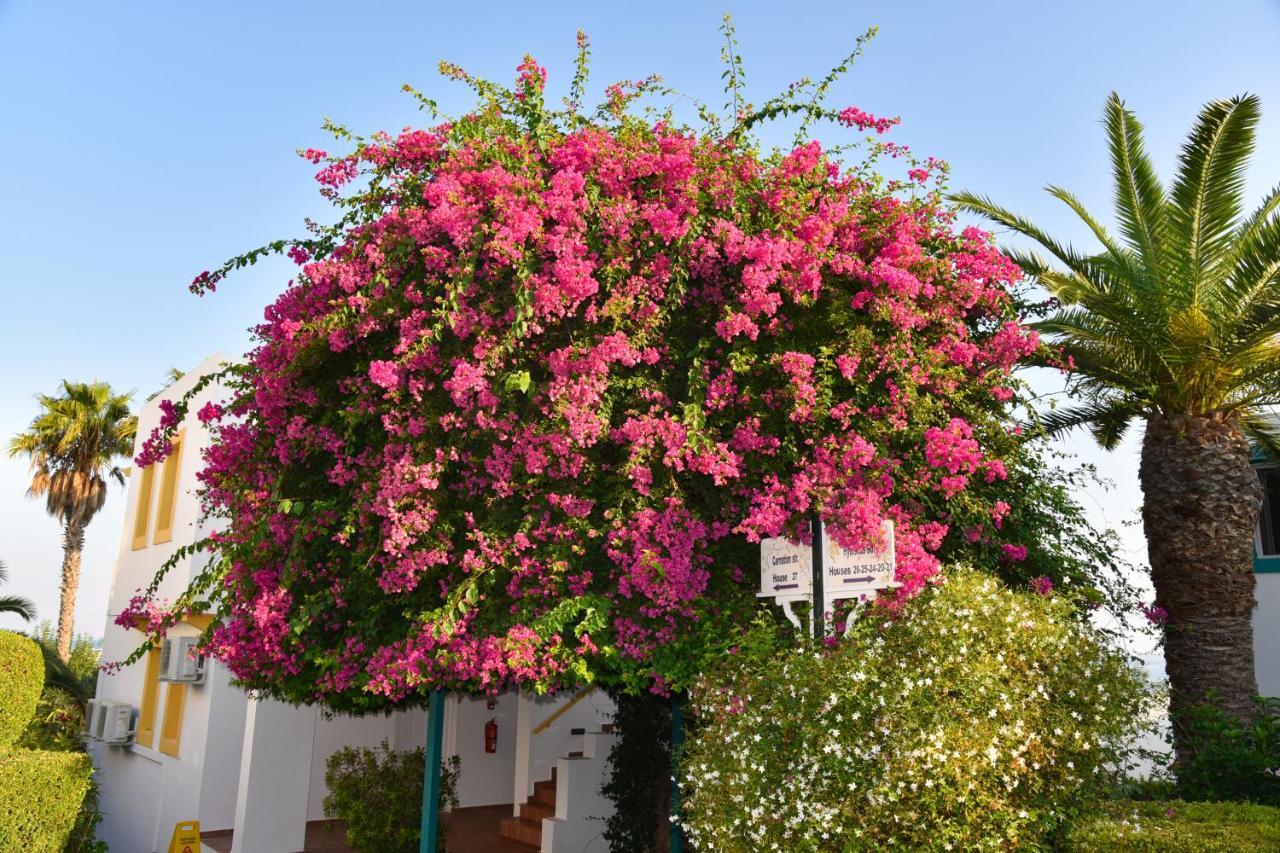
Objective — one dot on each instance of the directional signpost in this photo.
(791, 572)
(786, 574)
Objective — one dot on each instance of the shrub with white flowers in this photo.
(975, 718)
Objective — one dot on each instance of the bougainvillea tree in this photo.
(525, 412)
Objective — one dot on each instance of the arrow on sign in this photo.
(862, 579)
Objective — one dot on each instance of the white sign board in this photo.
(786, 569)
(849, 574)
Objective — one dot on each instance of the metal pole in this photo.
(819, 616)
(431, 774)
(677, 738)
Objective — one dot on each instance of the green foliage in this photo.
(1176, 827)
(377, 794)
(639, 770)
(40, 798)
(21, 607)
(1227, 760)
(977, 718)
(83, 837)
(57, 724)
(21, 681)
(1180, 315)
(83, 660)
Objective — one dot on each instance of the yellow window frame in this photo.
(175, 701)
(168, 491)
(142, 513)
(145, 734)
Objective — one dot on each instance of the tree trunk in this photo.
(1200, 511)
(72, 545)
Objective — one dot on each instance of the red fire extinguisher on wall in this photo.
(491, 735)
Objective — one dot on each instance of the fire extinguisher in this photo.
(491, 735)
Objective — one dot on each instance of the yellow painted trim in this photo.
(199, 621)
(146, 731)
(142, 512)
(562, 710)
(175, 702)
(168, 491)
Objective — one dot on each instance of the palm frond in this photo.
(74, 444)
(1263, 432)
(62, 677)
(984, 206)
(1108, 420)
(21, 607)
(1139, 198)
(1207, 196)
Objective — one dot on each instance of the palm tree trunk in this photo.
(72, 545)
(1200, 510)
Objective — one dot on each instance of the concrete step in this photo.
(522, 830)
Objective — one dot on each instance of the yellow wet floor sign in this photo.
(186, 837)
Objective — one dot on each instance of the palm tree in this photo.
(74, 445)
(15, 604)
(1175, 323)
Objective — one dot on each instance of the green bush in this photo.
(21, 682)
(1229, 761)
(980, 718)
(1176, 827)
(40, 797)
(377, 794)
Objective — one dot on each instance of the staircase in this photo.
(566, 811)
(527, 828)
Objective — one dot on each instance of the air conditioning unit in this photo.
(93, 719)
(117, 723)
(178, 662)
(109, 722)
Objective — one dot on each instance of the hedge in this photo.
(1174, 826)
(40, 797)
(21, 683)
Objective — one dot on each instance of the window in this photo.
(175, 698)
(146, 732)
(168, 492)
(142, 514)
(1269, 523)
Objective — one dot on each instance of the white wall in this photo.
(485, 778)
(557, 742)
(1266, 633)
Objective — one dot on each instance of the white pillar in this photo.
(275, 769)
(524, 737)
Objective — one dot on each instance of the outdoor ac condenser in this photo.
(117, 722)
(110, 722)
(177, 662)
(93, 719)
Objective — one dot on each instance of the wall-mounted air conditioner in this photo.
(110, 722)
(179, 663)
(93, 717)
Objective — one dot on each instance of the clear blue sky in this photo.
(143, 142)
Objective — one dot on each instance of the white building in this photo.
(1266, 570)
(209, 752)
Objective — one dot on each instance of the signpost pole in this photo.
(818, 611)
(431, 774)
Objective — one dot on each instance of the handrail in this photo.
(560, 712)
